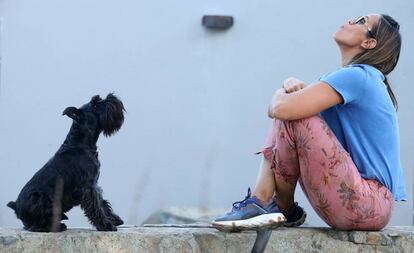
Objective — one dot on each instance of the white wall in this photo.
(196, 99)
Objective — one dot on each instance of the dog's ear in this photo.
(113, 116)
(72, 112)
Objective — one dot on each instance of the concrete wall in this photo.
(198, 239)
(196, 99)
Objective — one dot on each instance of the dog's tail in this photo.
(12, 205)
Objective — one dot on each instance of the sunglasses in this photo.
(363, 20)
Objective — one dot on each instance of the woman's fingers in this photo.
(292, 84)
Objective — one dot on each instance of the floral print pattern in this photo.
(307, 151)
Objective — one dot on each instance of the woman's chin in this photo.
(339, 39)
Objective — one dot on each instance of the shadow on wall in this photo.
(142, 182)
(206, 175)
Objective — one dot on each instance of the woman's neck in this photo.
(347, 54)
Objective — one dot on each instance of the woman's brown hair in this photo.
(385, 55)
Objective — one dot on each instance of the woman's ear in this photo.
(369, 43)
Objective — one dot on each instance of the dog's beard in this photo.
(113, 116)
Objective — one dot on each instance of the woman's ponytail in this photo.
(391, 93)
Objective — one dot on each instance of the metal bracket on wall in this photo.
(217, 21)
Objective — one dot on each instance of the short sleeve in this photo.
(349, 82)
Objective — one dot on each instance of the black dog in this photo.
(70, 177)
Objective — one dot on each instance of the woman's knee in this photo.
(310, 121)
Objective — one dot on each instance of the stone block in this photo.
(203, 238)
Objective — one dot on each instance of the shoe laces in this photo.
(239, 204)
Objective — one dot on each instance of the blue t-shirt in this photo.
(366, 124)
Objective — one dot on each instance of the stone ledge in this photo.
(204, 238)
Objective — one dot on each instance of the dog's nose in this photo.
(71, 112)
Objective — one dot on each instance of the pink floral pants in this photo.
(307, 151)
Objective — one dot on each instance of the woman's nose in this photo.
(351, 21)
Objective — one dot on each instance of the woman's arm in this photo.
(303, 103)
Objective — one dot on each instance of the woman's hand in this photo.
(293, 84)
(275, 99)
(304, 102)
(290, 85)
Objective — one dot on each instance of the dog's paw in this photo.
(116, 220)
(60, 227)
(107, 227)
(38, 229)
(63, 227)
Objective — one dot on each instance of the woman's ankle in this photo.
(286, 209)
(264, 199)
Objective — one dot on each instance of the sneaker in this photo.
(249, 214)
(295, 218)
